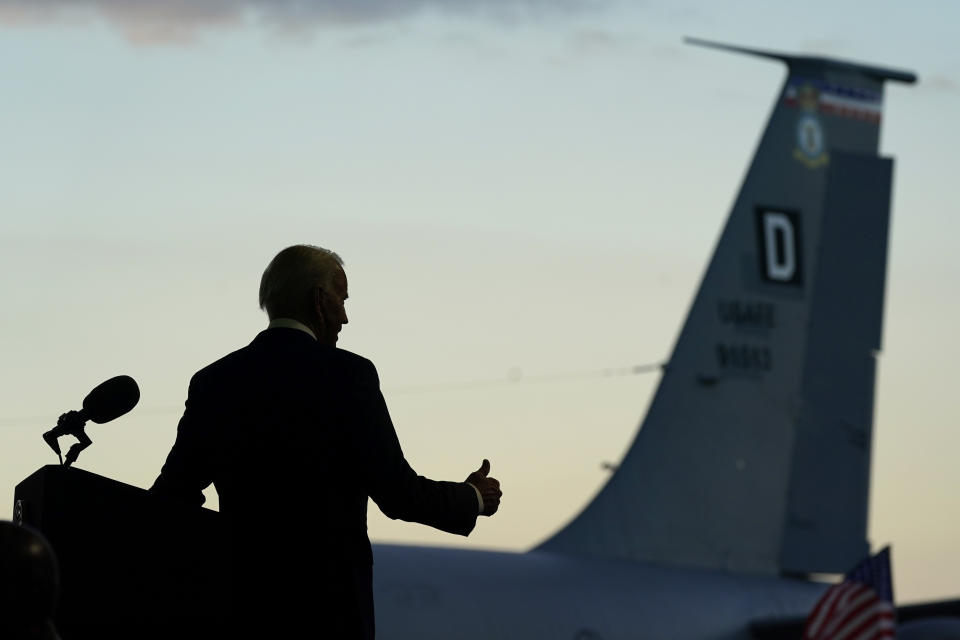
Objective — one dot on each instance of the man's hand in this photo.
(489, 488)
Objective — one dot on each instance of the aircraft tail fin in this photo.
(755, 453)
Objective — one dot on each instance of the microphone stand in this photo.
(71, 423)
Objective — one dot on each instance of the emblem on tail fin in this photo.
(811, 147)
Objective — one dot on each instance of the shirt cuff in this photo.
(479, 498)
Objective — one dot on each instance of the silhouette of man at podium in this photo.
(295, 436)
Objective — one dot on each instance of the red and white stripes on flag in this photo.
(859, 608)
(850, 611)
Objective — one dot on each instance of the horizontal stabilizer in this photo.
(877, 73)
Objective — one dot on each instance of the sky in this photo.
(525, 194)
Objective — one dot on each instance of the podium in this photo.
(132, 564)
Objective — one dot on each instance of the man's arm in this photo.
(187, 471)
(390, 481)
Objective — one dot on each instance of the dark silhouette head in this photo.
(308, 284)
(29, 583)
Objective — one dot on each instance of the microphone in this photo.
(108, 400)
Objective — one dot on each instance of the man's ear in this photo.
(318, 300)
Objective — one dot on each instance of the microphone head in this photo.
(111, 399)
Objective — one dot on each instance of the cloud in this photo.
(940, 82)
(599, 41)
(592, 43)
(172, 21)
(140, 22)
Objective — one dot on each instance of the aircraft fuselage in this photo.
(425, 593)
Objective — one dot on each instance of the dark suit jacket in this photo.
(295, 436)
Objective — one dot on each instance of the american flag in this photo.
(859, 608)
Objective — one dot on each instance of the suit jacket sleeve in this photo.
(188, 469)
(398, 490)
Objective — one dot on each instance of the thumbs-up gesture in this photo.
(489, 488)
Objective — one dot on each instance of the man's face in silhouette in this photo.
(331, 307)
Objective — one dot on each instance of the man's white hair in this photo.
(286, 288)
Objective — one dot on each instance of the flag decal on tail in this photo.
(778, 236)
(860, 607)
(812, 94)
